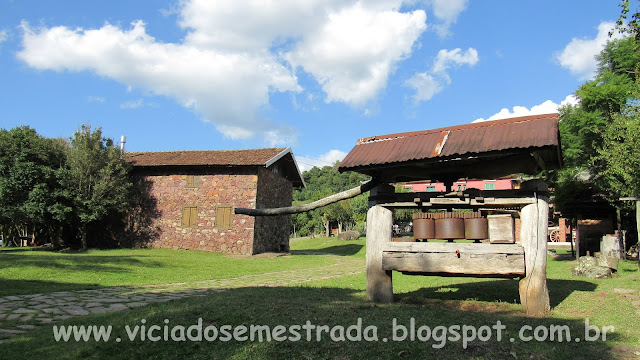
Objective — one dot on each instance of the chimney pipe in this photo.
(123, 140)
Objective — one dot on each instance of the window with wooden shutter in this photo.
(190, 216)
(223, 217)
(193, 181)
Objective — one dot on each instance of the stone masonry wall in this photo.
(232, 187)
(272, 232)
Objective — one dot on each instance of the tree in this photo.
(583, 127)
(620, 156)
(96, 181)
(29, 190)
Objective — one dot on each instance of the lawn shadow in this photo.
(290, 309)
(77, 262)
(9, 287)
(502, 290)
(340, 250)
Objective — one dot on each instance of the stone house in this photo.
(196, 193)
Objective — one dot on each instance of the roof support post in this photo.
(379, 232)
(534, 294)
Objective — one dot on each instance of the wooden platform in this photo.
(454, 259)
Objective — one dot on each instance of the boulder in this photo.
(348, 235)
(588, 266)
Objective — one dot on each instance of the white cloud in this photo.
(427, 85)
(4, 35)
(448, 58)
(579, 55)
(328, 159)
(424, 85)
(447, 11)
(133, 104)
(546, 107)
(226, 88)
(238, 52)
(353, 53)
(97, 99)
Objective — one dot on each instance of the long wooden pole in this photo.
(308, 207)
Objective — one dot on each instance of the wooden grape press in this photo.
(485, 150)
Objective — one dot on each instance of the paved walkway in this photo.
(21, 313)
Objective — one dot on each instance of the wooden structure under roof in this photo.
(479, 150)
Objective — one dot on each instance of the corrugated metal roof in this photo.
(255, 157)
(537, 131)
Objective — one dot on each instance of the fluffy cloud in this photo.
(328, 159)
(579, 55)
(546, 107)
(236, 53)
(353, 53)
(447, 11)
(426, 85)
(3, 36)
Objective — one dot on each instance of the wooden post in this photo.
(637, 200)
(379, 232)
(534, 294)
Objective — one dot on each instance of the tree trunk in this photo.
(379, 232)
(83, 236)
(307, 207)
(534, 293)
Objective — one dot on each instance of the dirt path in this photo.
(21, 313)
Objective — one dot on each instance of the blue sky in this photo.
(313, 75)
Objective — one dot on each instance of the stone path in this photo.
(21, 313)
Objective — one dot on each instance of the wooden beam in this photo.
(308, 207)
(452, 247)
(463, 262)
(465, 203)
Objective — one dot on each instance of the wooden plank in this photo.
(446, 247)
(462, 203)
(467, 263)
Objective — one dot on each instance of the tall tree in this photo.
(97, 181)
(602, 102)
(28, 183)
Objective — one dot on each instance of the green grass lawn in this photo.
(24, 271)
(430, 301)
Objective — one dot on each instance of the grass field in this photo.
(436, 302)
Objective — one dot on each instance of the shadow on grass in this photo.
(296, 306)
(25, 287)
(77, 260)
(340, 250)
(503, 290)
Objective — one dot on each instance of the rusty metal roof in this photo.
(490, 139)
(250, 157)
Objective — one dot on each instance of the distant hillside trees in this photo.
(344, 215)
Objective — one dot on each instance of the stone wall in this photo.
(235, 187)
(272, 232)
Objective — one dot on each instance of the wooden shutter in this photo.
(192, 181)
(190, 216)
(223, 217)
(185, 216)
